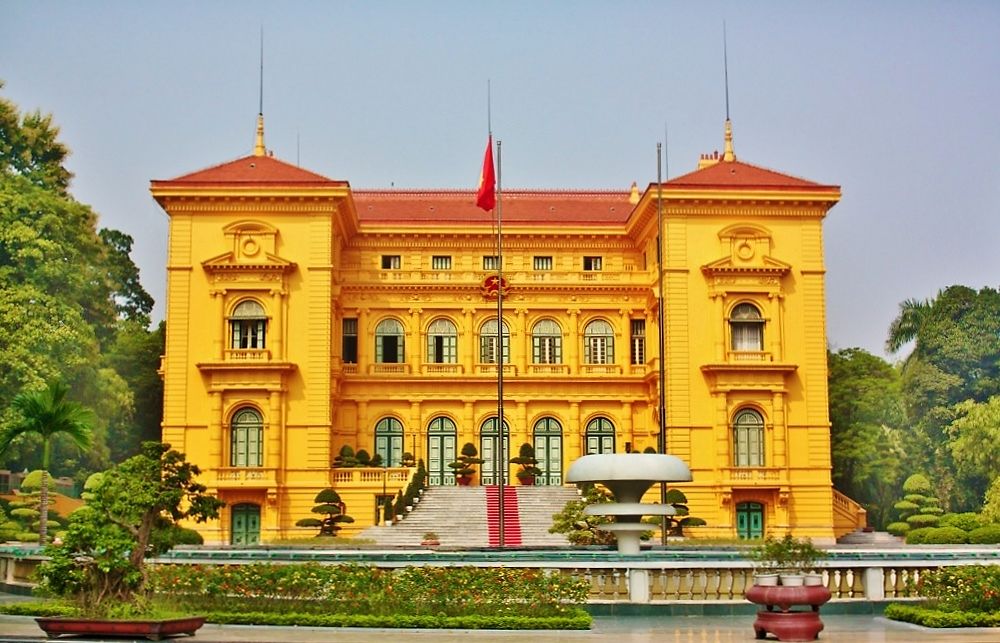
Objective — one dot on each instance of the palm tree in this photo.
(47, 413)
(906, 327)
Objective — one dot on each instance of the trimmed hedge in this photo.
(945, 536)
(930, 617)
(575, 619)
(986, 535)
(965, 521)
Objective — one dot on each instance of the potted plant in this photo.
(430, 539)
(526, 459)
(464, 466)
(788, 558)
(129, 514)
(332, 508)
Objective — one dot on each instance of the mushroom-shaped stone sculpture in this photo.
(628, 476)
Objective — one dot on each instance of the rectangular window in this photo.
(546, 350)
(490, 262)
(488, 349)
(638, 341)
(442, 349)
(596, 351)
(440, 263)
(591, 263)
(350, 341)
(543, 263)
(391, 262)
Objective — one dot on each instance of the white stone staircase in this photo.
(458, 516)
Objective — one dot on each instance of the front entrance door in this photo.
(750, 520)
(440, 452)
(246, 525)
(489, 450)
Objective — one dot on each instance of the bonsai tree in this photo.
(407, 460)
(526, 459)
(47, 413)
(580, 528)
(464, 466)
(100, 563)
(363, 458)
(331, 507)
(345, 458)
(388, 513)
(681, 519)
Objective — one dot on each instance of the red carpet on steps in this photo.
(511, 516)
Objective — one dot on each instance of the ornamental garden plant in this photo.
(966, 596)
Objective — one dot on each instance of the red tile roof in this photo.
(737, 175)
(520, 207)
(257, 170)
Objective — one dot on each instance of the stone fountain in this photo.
(628, 476)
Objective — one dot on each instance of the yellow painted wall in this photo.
(312, 268)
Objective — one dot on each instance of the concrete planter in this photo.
(153, 630)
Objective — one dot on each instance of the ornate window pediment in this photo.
(251, 262)
(746, 264)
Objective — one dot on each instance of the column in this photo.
(573, 341)
(519, 342)
(219, 338)
(277, 332)
(469, 352)
(414, 341)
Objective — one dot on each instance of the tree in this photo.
(866, 411)
(681, 519)
(974, 437)
(580, 528)
(48, 413)
(955, 357)
(331, 507)
(101, 560)
(29, 148)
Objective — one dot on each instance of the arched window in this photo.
(441, 451)
(248, 325)
(494, 464)
(389, 441)
(599, 343)
(246, 439)
(389, 342)
(600, 436)
(748, 439)
(546, 343)
(488, 343)
(442, 342)
(746, 328)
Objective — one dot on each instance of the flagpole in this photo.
(500, 423)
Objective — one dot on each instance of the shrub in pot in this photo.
(526, 459)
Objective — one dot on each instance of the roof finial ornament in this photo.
(727, 154)
(258, 147)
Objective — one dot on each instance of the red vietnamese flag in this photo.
(486, 196)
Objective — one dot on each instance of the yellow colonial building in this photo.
(304, 315)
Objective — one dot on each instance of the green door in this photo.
(750, 520)
(548, 452)
(246, 525)
(440, 452)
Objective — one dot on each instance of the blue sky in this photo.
(895, 101)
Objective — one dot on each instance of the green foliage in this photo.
(579, 528)
(362, 590)
(974, 435)
(464, 466)
(991, 502)
(345, 458)
(945, 536)
(917, 536)
(917, 484)
(953, 369)
(918, 508)
(965, 521)
(922, 520)
(967, 588)
(985, 535)
(866, 443)
(364, 459)
(332, 508)
(898, 528)
(787, 553)
(408, 460)
(526, 459)
(929, 617)
(677, 522)
(101, 560)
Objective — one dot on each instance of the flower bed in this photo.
(966, 596)
(353, 594)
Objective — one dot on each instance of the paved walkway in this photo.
(606, 629)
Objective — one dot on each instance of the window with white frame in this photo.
(488, 342)
(546, 343)
(746, 328)
(491, 262)
(391, 262)
(638, 343)
(592, 263)
(543, 263)
(248, 325)
(389, 441)
(599, 343)
(442, 342)
(440, 262)
(389, 342)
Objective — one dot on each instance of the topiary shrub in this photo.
(946, 536)
(898, 528)
(922, 520)
(965, 521)
(916, 536)
(985, 535)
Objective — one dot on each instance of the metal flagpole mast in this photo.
(500, 470)
(662, 415)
